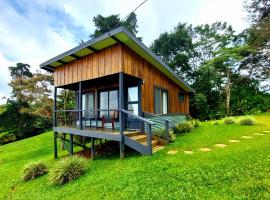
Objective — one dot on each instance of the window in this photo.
(133, 100)
(181, 96)
(108, 100)
(161, 101)
(87, 104)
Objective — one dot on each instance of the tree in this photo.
(18, 73)
(227, 61)
(105, 24)
(174, 48)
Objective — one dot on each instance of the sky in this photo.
(33, 31)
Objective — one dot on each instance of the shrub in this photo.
(183, 127)
(161, 133)
(68, 169)
(216, 123)
(196, 123)
(172, 136)
(34, 170)
(6, 137)
(247, 121)
(229, 120)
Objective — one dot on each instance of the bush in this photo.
(229, 120)
(6, 137)
(34, 170)
(68, 169)
(172, 136)
(183, 127)
(216, 123)
(196, 123)
(247, 121)
(161, 133)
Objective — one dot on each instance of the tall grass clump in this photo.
(247, 120)
(34, 170)
(68, 169)
(229, 120)
(184, 127)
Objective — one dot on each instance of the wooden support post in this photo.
(96, 106)
(71, 145)
(149, 139)
(141, 124)
(80, 105)
(121, 114)
(55, 144)
(92, 148)
(54, 121)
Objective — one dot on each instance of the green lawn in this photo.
(239, 171)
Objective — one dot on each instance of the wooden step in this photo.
(139, 138)
(154, 143)
(132, 133)
(157, 148)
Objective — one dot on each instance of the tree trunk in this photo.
(228, 91)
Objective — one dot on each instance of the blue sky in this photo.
(33, 31)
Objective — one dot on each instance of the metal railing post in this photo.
(167, 135)
(149, 139)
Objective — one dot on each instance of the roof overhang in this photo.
(118, 35)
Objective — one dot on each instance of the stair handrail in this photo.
(166, 124)
(149, 128)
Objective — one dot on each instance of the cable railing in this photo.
(161, 125)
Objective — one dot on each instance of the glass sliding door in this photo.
(161, 101)
(108, 100)
(133, 100)
(88, 104)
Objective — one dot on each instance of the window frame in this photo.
(181, 96)
(161, 96)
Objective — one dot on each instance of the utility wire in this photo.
(130, 14)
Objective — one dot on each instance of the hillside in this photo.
(237, 171)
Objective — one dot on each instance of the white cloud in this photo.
(34, 31)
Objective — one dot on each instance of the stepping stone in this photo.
(220, 145)
(234, 141)
(247, 137)
(258, 134)
(188, 152)
(266, 131)
(172, 152)
(205, 149)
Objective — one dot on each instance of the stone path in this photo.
(188, 152)
(247, 137)
(205, 149)
(172, 152)
(221, 145)
(258, 134)
(234, 141)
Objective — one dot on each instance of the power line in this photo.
(130, 13)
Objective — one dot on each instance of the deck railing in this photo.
(71, 118)
(161, 127)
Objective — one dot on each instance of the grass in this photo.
(239, 171)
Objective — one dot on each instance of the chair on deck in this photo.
(110, 119)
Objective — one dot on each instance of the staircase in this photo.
(138, 141)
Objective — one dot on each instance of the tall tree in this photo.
(105, 24)
(175, 48)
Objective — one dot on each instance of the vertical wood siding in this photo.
(119, 58)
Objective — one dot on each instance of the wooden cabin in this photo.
(124, 92)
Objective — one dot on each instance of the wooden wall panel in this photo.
(105, 62)
(119, 58)
(134, 65)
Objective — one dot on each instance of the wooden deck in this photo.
(99, 133)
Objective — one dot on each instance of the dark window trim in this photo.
(180, 93)
(168, 98)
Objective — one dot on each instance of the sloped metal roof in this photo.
(118, 35)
